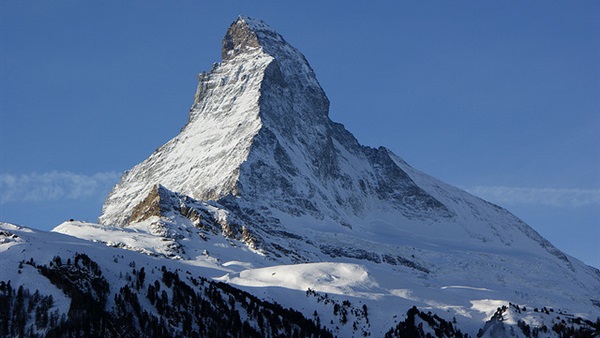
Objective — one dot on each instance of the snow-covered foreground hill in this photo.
(350, 298)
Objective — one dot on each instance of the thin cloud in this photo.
(54, 186)
(538, 196)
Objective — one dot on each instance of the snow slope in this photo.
(385, 292)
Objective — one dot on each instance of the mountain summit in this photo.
(259, 133)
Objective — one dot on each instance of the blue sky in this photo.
(499, 98)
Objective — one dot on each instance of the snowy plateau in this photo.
(263, 218)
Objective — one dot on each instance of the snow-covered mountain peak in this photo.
(259, 130)
(260, 157)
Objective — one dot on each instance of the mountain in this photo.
(259, 134)
(259, 144)
(269, 202)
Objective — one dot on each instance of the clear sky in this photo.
(500, 98)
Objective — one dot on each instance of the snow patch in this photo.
(335, 278)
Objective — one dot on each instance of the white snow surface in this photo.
(334, 278)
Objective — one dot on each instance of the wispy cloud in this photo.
(538, 196)
(54, 186)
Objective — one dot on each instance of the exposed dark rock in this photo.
(153, 205)
(238, 39)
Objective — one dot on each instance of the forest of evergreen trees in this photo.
(562, 325)
(413, 327)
